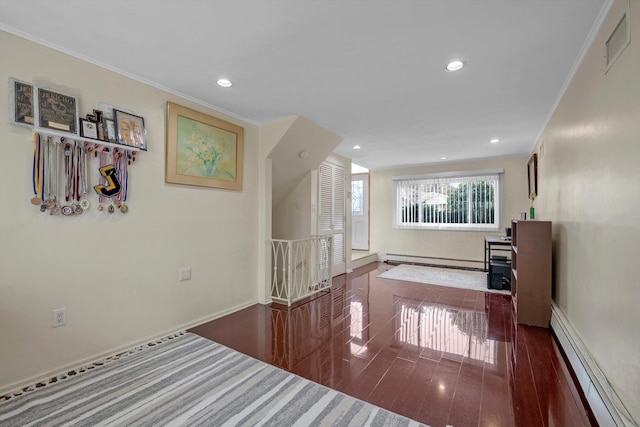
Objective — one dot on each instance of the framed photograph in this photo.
(203, 150)
(88, 129)
(109, 130)
(532, 174)
(130, 130)
(20, 103)
(57, 111)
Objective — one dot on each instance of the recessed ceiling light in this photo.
(356, 147)
(443, 158)
(494, 140)
(455, 65)
(224, 83)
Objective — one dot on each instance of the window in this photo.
(457, 200)
(357, 197)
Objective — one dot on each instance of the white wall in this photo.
(436, 243)
(292, 218)
(590, 189)
(115, 274)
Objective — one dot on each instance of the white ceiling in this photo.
(370, 71)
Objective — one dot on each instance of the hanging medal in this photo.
(115, 161)
(55, 210)
(68, 179)
(43, 175)
(77, 177)
(84, 176)
(52, 175)
(125, 182)
(36, 175)
(104, 158)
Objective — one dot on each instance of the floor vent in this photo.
(618, 40)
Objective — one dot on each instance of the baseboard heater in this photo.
(458, 263)
(593, 383)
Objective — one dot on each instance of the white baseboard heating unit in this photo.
(433, 261)
(594, 384)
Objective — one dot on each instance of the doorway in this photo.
(360, 212)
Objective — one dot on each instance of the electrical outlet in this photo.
(59, 317)
(184, 274)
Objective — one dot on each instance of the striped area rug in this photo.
(191, 381)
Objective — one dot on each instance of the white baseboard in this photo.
(362, 262)
(43, 377)
(594, 385)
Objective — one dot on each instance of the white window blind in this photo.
(448, 201)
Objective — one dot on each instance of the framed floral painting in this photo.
(203, 150)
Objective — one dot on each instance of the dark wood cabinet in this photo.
(531, 272)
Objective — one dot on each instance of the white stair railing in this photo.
(301, 268)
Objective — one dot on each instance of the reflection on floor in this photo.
(435, 354)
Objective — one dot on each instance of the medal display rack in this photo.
(75, 137)
(61, 173)
(67, 148)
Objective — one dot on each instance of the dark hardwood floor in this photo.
(438, 355)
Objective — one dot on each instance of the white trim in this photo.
(450, 174)
(46, 43)
(593, 382)
(595, 28)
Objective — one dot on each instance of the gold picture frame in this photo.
(203, 150)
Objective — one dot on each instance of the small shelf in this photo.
(75, 137)
(515, 249)
(514, 271)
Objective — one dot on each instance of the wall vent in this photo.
(617, 41)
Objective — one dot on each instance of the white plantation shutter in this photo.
(332, 210)
(338, 248)
(325, 208)
(339, 214)
(339, 202)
